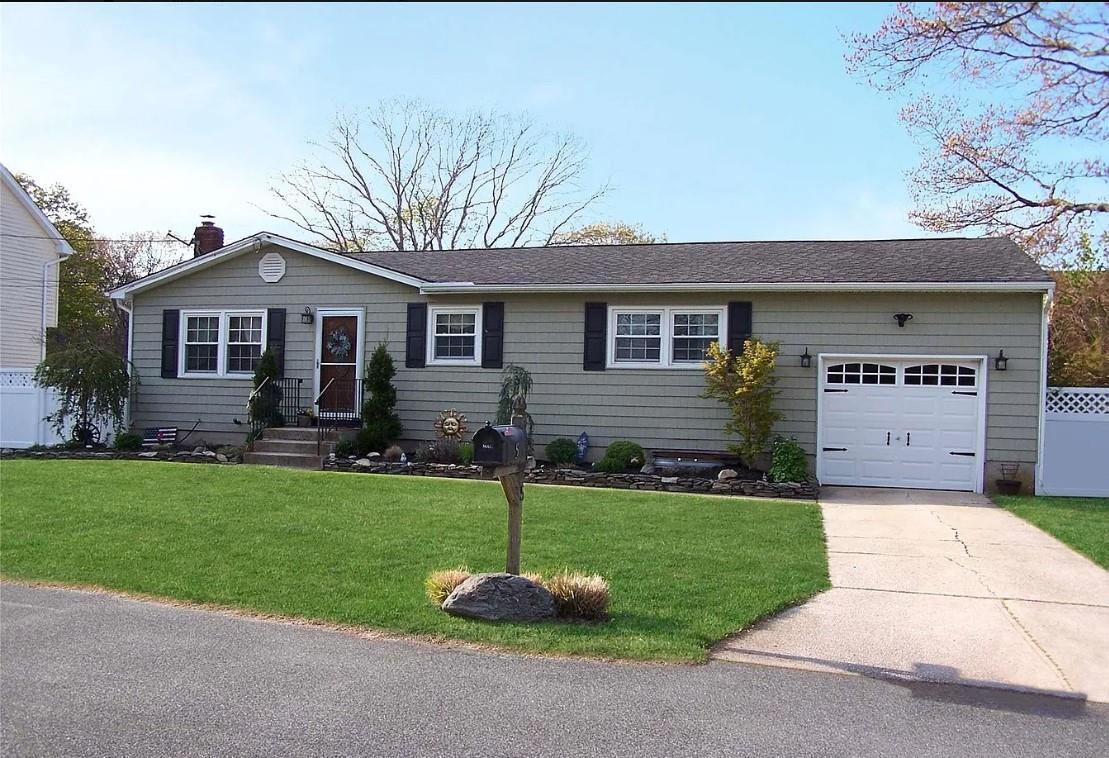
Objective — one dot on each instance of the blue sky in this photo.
(711, 122)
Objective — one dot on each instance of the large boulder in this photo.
(501, 597)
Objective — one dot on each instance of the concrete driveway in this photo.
(944, 586)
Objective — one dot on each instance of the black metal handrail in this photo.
(338, 405)
(274, 402)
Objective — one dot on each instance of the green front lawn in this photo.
(1081, 522)
(355, 548)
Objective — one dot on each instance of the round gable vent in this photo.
(271, 268)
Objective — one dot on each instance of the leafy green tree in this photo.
(745, 384)
(515, 380)
(1078, 346)
(604, 233)
(380, 424)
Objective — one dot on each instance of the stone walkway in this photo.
(944, 586)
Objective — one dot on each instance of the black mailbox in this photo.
(500, 446)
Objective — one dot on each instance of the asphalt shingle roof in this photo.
(988, 259)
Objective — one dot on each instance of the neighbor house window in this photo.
(244, 343)
(662, 337)
(454, 336)
(221, 343)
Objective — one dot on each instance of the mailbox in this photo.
(500, 446)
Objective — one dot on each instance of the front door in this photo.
(337, 364)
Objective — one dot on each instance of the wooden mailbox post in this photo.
(504, 451)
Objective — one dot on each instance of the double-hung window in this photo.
(202, 333)
(221, 343)
(663, 337)
(244, 342)
(454, 337)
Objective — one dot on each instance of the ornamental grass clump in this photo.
(579, 596)
(440, 584)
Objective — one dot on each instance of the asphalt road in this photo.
(85, 674)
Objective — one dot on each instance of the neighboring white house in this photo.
(31, 250)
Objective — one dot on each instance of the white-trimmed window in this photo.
(244, 342)
(670, 337)
(454, 336)
(221, 343)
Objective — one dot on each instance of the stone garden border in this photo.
(557, 476)
(196, 455)
(578, 478)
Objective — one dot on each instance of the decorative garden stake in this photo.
(503, 450)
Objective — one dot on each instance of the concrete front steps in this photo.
(291, 447)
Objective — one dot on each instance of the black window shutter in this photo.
(275, 336)
(596, 328)
(171, 322)
(415, 342)
(492, 335)
(739, 325)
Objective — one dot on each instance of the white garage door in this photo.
(900, 423)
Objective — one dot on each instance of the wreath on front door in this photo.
(338, 344)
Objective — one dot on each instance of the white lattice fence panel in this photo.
(1079, 400)
(21, 378)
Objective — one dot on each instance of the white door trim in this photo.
(360, 345)
(983, 370)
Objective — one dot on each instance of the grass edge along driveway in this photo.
(355, 549)
(1080, 522)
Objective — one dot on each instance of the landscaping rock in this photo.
(149, 454)
(362, 462)
(647, 469)
(669, 480)
(728, 473)
(500, 597)
(373, 455)
(221, 457)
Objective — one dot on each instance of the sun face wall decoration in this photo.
(450, 425)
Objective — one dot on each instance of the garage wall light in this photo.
(902, 318)
(1001, 363)
(806, 359)
(307, 317)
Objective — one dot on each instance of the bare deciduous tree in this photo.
(409, 177)
(1019, 149)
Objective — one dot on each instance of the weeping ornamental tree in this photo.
(265, 406)
(516, 380)
(745, 384)
(92, 383)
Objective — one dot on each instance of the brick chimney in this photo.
(207, 237)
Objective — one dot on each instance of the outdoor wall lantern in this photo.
(1001, 363)
(307, 317)
(806, 359)
(902, 318)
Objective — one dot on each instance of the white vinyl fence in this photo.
(1076, 442)
(23, 405)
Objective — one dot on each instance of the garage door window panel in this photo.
(940, 375)
(861, 373)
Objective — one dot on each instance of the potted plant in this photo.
(1008, 484)
(306, 417)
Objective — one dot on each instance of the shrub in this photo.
(562, 451)
(91, 380)
(466, 453)
(440, 584)
(265, 408)
(346, 448)
(745, 383)
(620, 456)
(128, 441)
(393, 453)
(788, 462)
(380, 424)
(440, 451)
(579, 596)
